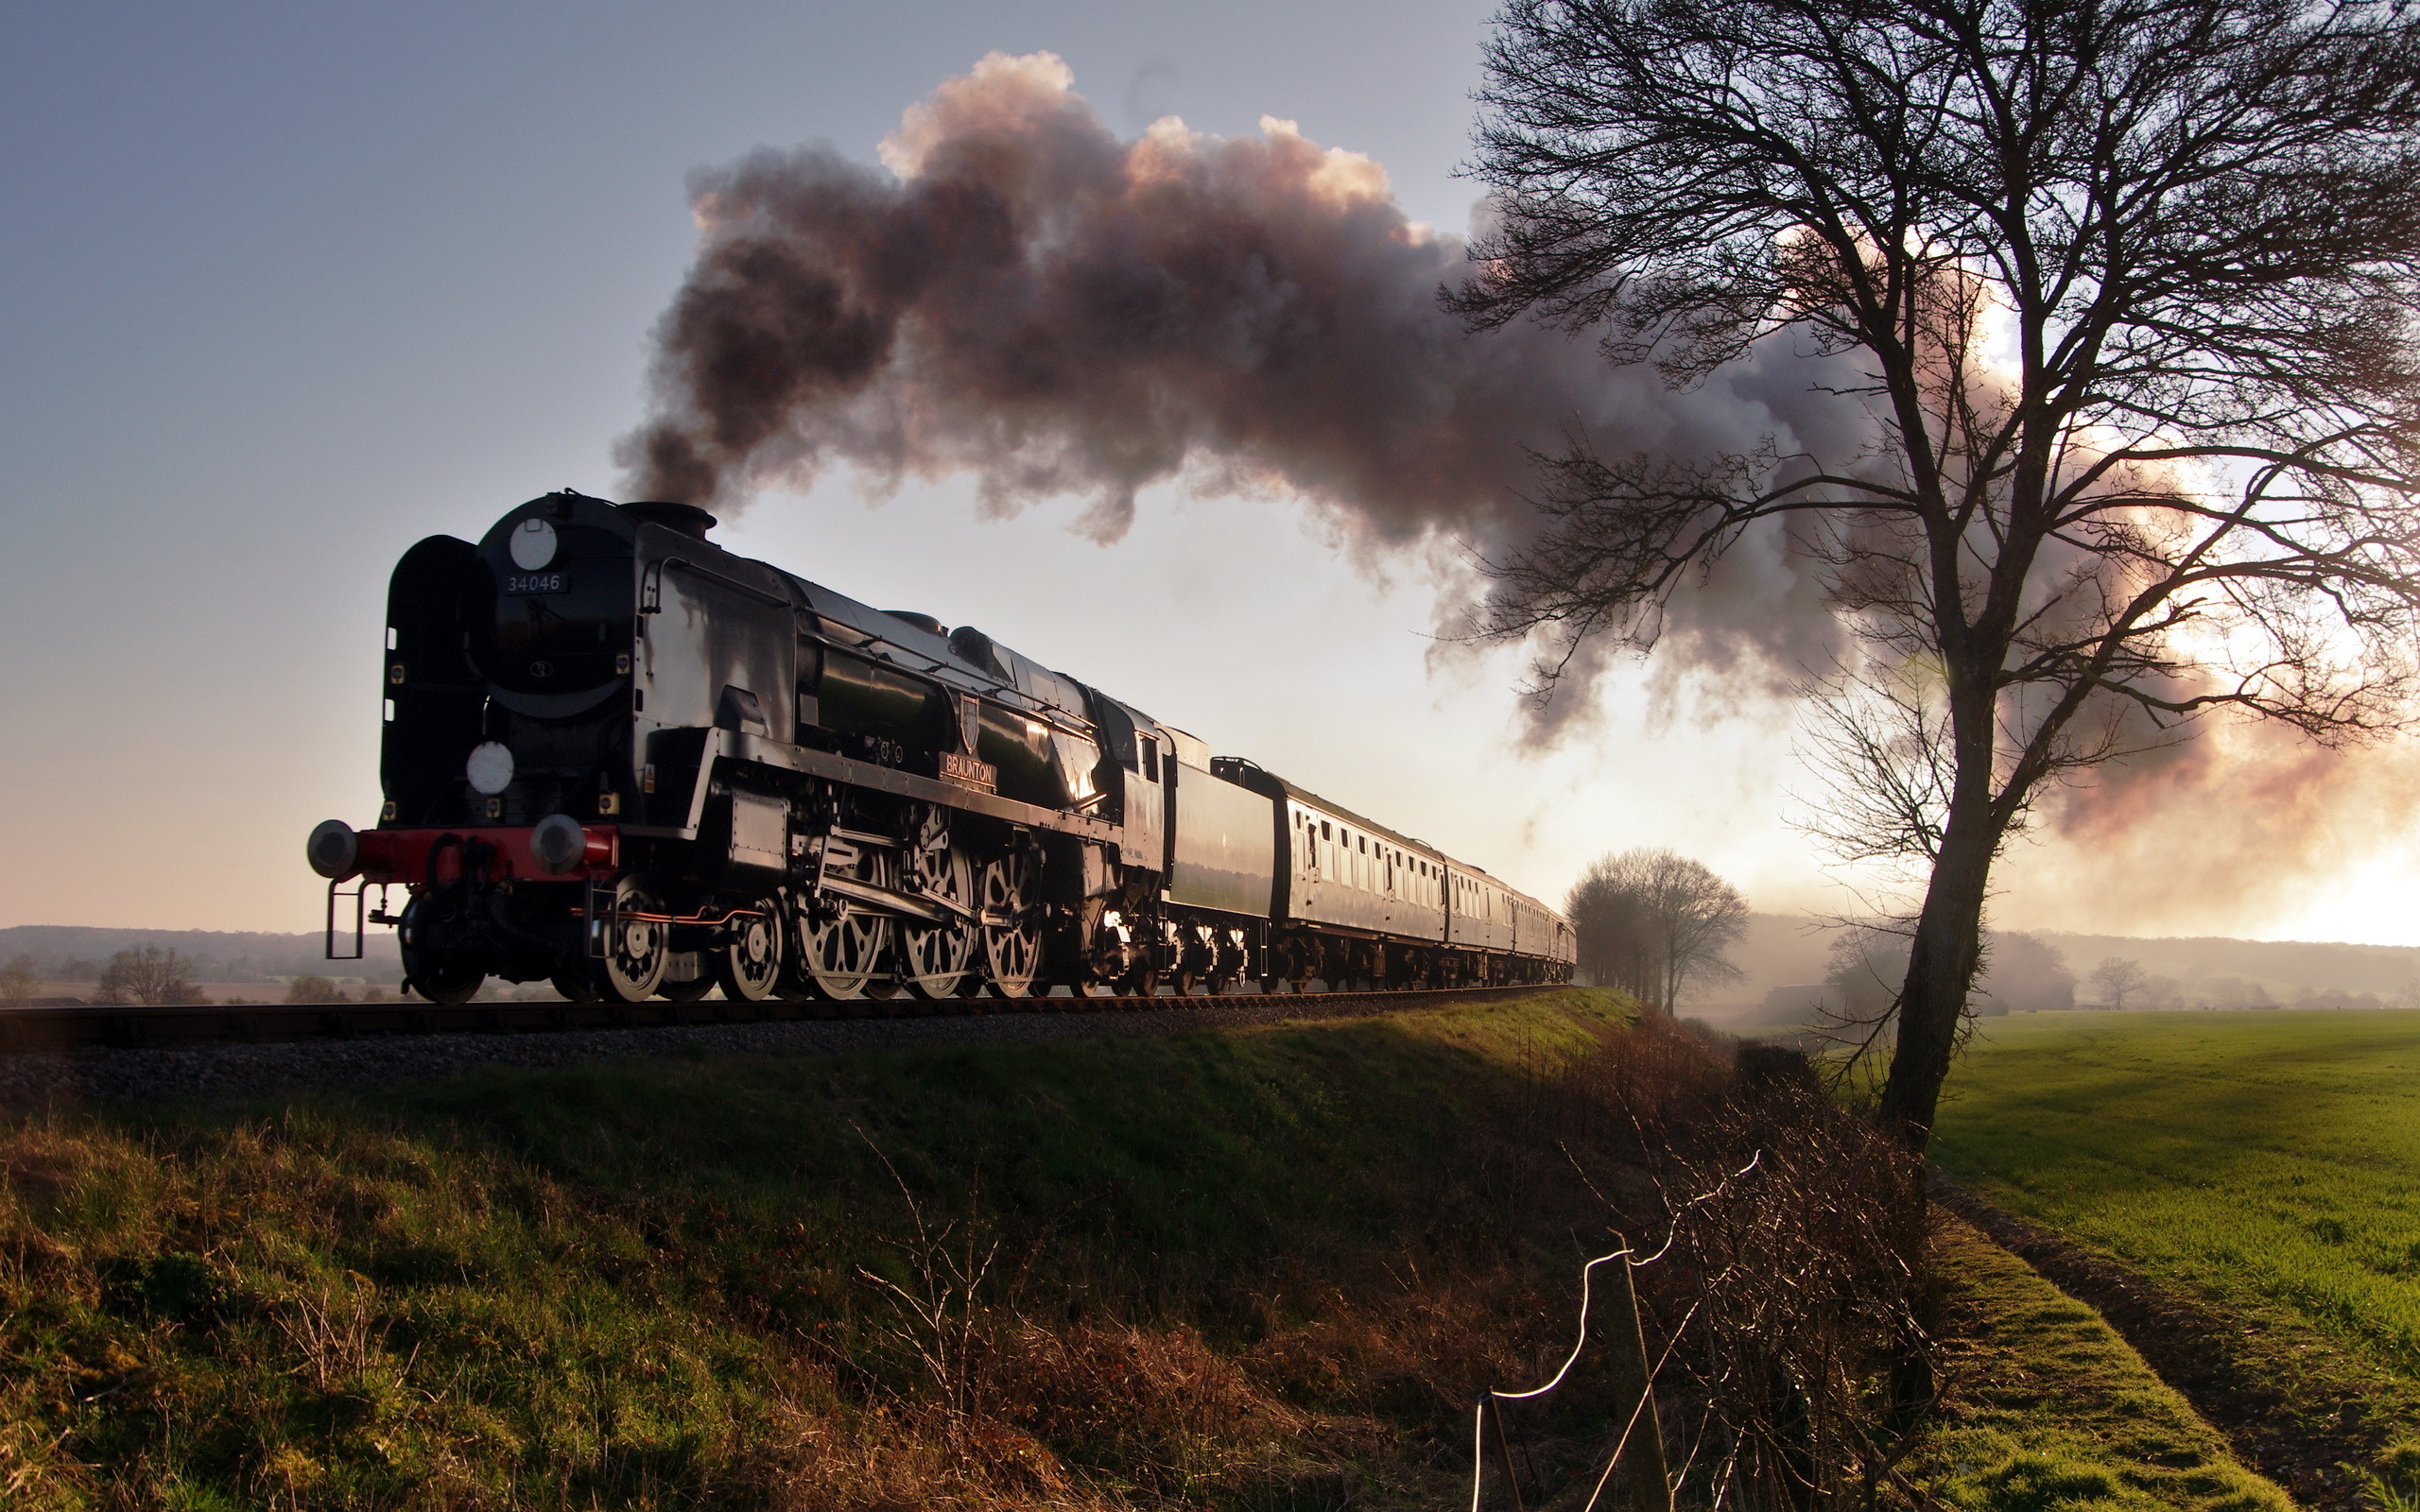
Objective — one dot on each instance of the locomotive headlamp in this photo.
(558, 844)
(334, 850)
(533, 545)
(490, 767)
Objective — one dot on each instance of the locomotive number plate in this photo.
(537, 582)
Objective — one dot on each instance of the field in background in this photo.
(1781, 949)
(2267, 1162)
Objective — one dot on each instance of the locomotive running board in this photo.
(731, 745)
(949, 794)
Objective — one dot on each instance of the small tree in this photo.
(19, 981)
(1863, 967)
(2117, 979)
(309, 989)
(1869, 961)
(148, 974)
(1609, 930)
(1654, 923)
(2022, 972)
(2125, 290)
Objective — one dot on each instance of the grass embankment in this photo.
(1254, 1269)
(2265, 1163)
(2050, 1409)
(1250, 1268)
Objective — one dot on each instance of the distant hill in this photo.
(65, 950)
(1785, 949)
(2286, 970)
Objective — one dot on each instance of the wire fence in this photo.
(1774, 1353)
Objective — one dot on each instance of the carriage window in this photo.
(1323, 829)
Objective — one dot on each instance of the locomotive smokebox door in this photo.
(760, 832)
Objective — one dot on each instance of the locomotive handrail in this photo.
(958, 679)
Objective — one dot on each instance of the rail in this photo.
(117, 1026)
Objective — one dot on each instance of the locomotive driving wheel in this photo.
(841, 942)
(1012, 948)
(749, 961)
(637, 946)
(937, 960)
(840, 954)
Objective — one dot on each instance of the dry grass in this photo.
(1265, 1270)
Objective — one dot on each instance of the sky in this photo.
(285, 288)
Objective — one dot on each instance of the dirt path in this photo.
(2295, 1428)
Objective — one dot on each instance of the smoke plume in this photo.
(1023, 296)
(2229, 830)
(1027, 297)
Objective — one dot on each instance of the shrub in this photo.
(148, 974)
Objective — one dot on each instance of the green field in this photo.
(2268, 1162)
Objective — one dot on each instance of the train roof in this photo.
(1304, 794)
(1296, 791)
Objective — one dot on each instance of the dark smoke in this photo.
(1027, 297)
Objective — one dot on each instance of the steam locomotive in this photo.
(622, 760)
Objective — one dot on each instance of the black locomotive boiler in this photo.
(621, 759)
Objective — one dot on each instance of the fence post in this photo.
(1645, 1484)
(1495, 1410)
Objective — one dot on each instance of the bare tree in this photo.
(1655, 924)
(147, 973)
(19, 981)
(1609, 929)
(2115, 978)
(2126, 290)
(1864, 965)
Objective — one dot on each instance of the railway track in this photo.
(115, 1027)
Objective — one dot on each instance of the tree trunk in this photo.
(1941, 972)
